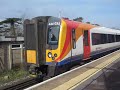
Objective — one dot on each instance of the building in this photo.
(11, 52)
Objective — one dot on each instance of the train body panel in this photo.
(105, 45)
(74, 55)
(69, 53)
(53, 43)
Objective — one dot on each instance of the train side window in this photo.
(103, 38)
(73, 39)
(117, 38)
(111, 38)
(96, 38)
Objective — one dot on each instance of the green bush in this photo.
(12, 75)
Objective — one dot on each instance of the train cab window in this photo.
(53, 35)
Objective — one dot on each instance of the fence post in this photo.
(22, 65)
(9, 58)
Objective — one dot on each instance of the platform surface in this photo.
(79, 77)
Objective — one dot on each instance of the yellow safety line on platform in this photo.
(71, 84)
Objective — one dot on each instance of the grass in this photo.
(12, 75)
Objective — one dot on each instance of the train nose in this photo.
(53, 56)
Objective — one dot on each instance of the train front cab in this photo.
(48, 40)
(41, 44)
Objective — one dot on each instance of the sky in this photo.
(103, 12)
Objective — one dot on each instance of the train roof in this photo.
(105, 30)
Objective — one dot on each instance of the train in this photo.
(53, 45)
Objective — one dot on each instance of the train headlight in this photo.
(49, 54)
(53, 58)
(55, 55)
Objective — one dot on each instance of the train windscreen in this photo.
(53, 35)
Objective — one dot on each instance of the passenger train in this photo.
(53, 45)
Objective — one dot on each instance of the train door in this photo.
(86, 44)
(73, 51)
(35, 42)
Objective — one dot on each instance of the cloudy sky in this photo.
(103, 12)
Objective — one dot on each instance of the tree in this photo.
(88, 22)
(79, 19)
(96, 24)
(12, 22)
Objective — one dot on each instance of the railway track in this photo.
(31, 81)
(20, 84)
(87, 74)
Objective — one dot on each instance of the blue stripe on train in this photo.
(66, 61)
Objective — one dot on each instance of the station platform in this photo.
(91, 76)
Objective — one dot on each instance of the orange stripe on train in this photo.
(79, 31)
(67, 44)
